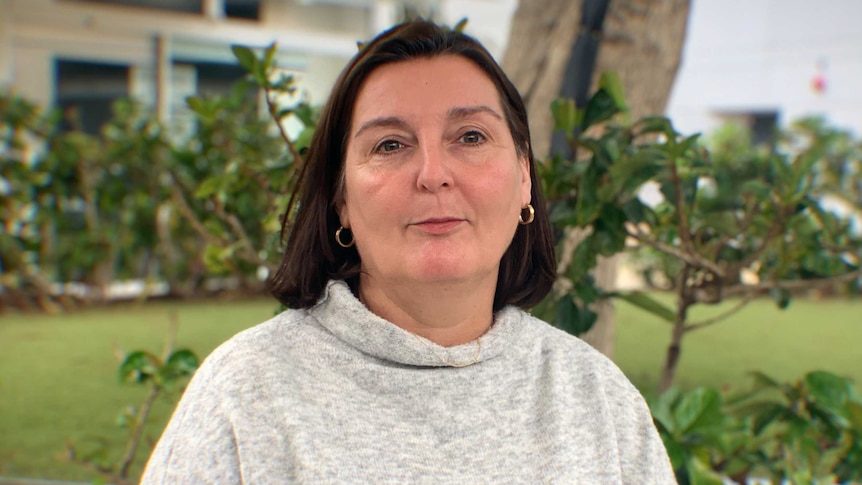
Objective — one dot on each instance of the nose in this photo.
(434, 169)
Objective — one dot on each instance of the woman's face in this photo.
(433, 183)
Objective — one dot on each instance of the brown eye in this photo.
(388, 146)
(472, 138)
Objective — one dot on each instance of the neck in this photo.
(445, 313)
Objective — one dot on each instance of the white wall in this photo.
(750, 55)
(34, 33)
(487, 20)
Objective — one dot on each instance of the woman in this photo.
(406, 356)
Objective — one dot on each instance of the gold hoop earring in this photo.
(342, 243)
(530, 218)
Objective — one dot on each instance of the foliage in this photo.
(161, 376)
(22, 181)
(137, 202)
(714, 218)
(808, 431)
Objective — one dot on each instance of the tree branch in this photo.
(135, 439)
(186, 211)
(691, 258)
(739, 306)
(795, 285)
(242, 237)
(774, 231)
(684, 231)
(298, 175)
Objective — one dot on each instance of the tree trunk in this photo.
(641, 41)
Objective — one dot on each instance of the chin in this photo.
(441, 270)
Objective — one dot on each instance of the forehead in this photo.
(424, 87)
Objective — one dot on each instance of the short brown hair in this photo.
(312, 258)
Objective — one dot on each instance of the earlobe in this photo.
(526, 182)
(343, 217)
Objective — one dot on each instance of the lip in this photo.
(440, 225)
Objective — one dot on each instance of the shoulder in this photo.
(564, 349)
(592, 381)
(590, 377)
(256, 350)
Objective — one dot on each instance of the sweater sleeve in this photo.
(198, 444)
(643, 458)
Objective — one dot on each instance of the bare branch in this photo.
(298, 175)
(691, 258)
(774, 231)
(250, 254)
(796, 285)
(273, 113)
(137, 433)
(684, 230)
(188, 213)
(705, 323)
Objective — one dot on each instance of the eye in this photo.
(472, 137)
(387, 147)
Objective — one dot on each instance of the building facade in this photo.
(769, 62)
(81, 55)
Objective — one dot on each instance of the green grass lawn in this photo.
(58, 378)
(58, 375)
(785, 344)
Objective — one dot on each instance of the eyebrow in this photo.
(384, 122)
(455, 113)
(460, 112)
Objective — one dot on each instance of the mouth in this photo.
(438, 225)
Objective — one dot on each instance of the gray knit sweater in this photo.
(336, 394)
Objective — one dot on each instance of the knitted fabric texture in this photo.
(335, 394)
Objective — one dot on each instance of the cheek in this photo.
(366, 197)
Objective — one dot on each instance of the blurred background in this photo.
(143, 181)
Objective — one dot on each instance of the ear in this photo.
(343, 214)
(526, 183)
(341, 206)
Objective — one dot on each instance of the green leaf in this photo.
(698, 409)
(215, 259)
(763, 381)
(306, 114)
(781, 297)
(610, 81)
(572, 319)
(701, 474)
(269, 56)
(601, 107)
(854, 412)
(764, 414)
(656, 124)
(184, 361)
(139, 366)
(461, 25)
(565, 115)
(245, 56)
(206, 111)
(209, 187)
(304, 140)
(688, 143)
(829, 390)
(645, 302)
(662, 410)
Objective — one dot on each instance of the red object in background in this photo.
(818, 83)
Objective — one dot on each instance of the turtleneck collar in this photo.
(340, 312)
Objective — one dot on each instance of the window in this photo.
(85, 92)
(215, 78)
(761, 124)
(242, 9)
(193, 6)
(763, 127)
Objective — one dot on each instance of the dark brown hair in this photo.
(312, 257)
